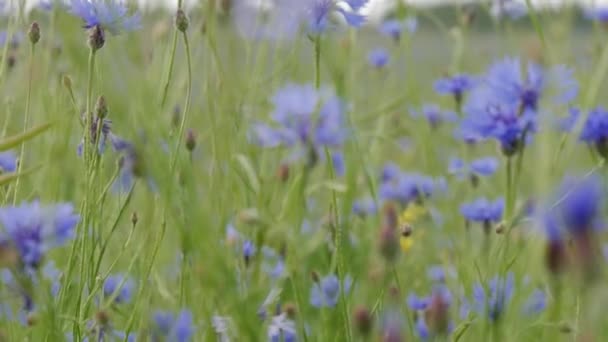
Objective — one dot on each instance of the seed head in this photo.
(101, 107)
(364, 321)
(181, 21)
(34, 33)
(190, 140)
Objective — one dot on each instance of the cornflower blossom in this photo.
(33, 229)
(434, 115)
(473, 171)
(483, 211)
(110, 15)
(300, 125)
(378, 58)
(168, 326)
(595, 128)
(281, 325)
(406, 188)
(8, 162)
(120, 287)
(493, 301)
(394, 28)
(326, 292)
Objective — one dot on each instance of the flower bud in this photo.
(34, 33)
(190, 140)
(364, 321)
(101, 108)
(388, 244)
(283, 172)
(96, 38)
(181, 20)
(134, 218)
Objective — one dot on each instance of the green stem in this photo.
(26, 118)
(318, 61)
(186, 106)
(169, 69)
(509, 190)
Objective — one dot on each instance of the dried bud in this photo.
(96, 38)
(102, 318)
(190, 140)
(34, 33)
(364, 321)
(11, 61)
(500, 228)
(101, 107)
(437, 314)
(9, 256)
(389, 216)
(134, 218)
(31, 319)
(181, 20)
(314, 276)
(67, 82)
(283, 172)
(290, 310)
(388, 244)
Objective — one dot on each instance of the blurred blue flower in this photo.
(493, 301)
(422, 330)
(120, 286)
(416, 303)
(536, 303)
(434, 115)
(580, 206)
(455, 86)
(365, 207)
(597, 12)
(8, 162)
(272, 19)
(337, 159)
(172, 327)
(482, 167)
(111, 15)
(378, 57)
(15, 39)
(248, 250)
(34, 229)
(408, 187)
(327, 292)
(483, 211)
(515, 9)
(320, 11)
(594, 130)
(106, 133)
(279, 326)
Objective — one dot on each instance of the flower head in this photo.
(455, 86)
(320, 11)
(405, 187)
(8, 162)
(173, 327)
(34, 229)
(581, 205)
(281, 325)
(482, 167)
(378, 57)
(110, 15)
(595, 128)
(434, 115)
(119, 286)
(483, 211)
(493, 300)
(326, 292)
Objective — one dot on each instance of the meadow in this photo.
(301, 174)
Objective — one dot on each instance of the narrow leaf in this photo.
(15, 140)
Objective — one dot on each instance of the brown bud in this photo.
(388, 244)
(314, 276)
(190, 140)
(101, 107)
(181, 20)
(34, 33)
(290, 310)
(134, 218)
(102, 318)
(283, 172)
(364, 321)
(96, 38)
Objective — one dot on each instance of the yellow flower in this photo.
(406, 242)
(412, 214)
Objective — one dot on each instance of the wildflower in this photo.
(34, 229)
(299, 126)
(597, 13)
(405, 187)
(393, 28)
(437, 312)
(364, 321)
(120, 287)
(482, 167)
(248, 251)
(326, 292)
(270, 299)
(555, 254)
(273, 264)
(105, 134)
(34, 33)
(456, 86)
(318, 13)
(110, 15)
(337, 160)
(515, 9)
(536, 303)
(12, 40)
(8, 162)
(365, 206)
(581, 206)
(434, 115)
(493, 302)
(378, 58)
(416, 303)
(282, 325)
(173, 327)
(222, 326)
(595, 128)
(483, 211)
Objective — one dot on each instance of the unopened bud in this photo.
(34, 33)
(102, 318)
(364, 321)
(67, 82)
(290, 310)
(134, 218)
(96, 38)
(388, 243)
(283, 172)
(101, 107)
(314, 276)
(181, 20)
(190, 140)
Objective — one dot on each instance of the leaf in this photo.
(9, 177)
(15, 140)
(252, 177)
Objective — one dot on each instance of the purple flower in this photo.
(515, 9)
(34, 229)
(455, 86)
(171, 327)
(378, 57)
(434, 115)
(595, 128)
(408, 187)
(416, 303)
(320, 11)
(110, 15)
(279, 326)
(581, 205)
(120, 286)
(599, 13)
(536, 303)
(393, 28)
(326, 292)
(8, 162)
(493, 301)
(482, 167)
(483, 211)
(365, 206)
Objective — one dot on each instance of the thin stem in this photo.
(509, 190)
(26, 117)
(318, 61)
(186, 106)
(169, 69)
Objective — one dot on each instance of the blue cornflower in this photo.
(378, 57)
(408, 187)
(273, 264)
(416, 303)
(482, 167)
(34, 229)
(326, 292)
(172, 327)
(120, 287)
(15, 39)
(279, 326)
(581, 204)
(365, 206)
(536, 303)
(493, 301)
(298, 125)
(435, 309)
(320, 11)
(490, 117)
(522, 86)
(515, 9)
(110, 15)
(595, 128)
(455, 86)
(8, 162)
(483, 211)
(337, 159)
(434, 115)
(393, 28)
(599, 13)
(248, 250)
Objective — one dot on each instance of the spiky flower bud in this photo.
(96, 38)
(101, 107)
(190, 140)
(134, 218)
(364, 321)
(34, 33)
(181, 20)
